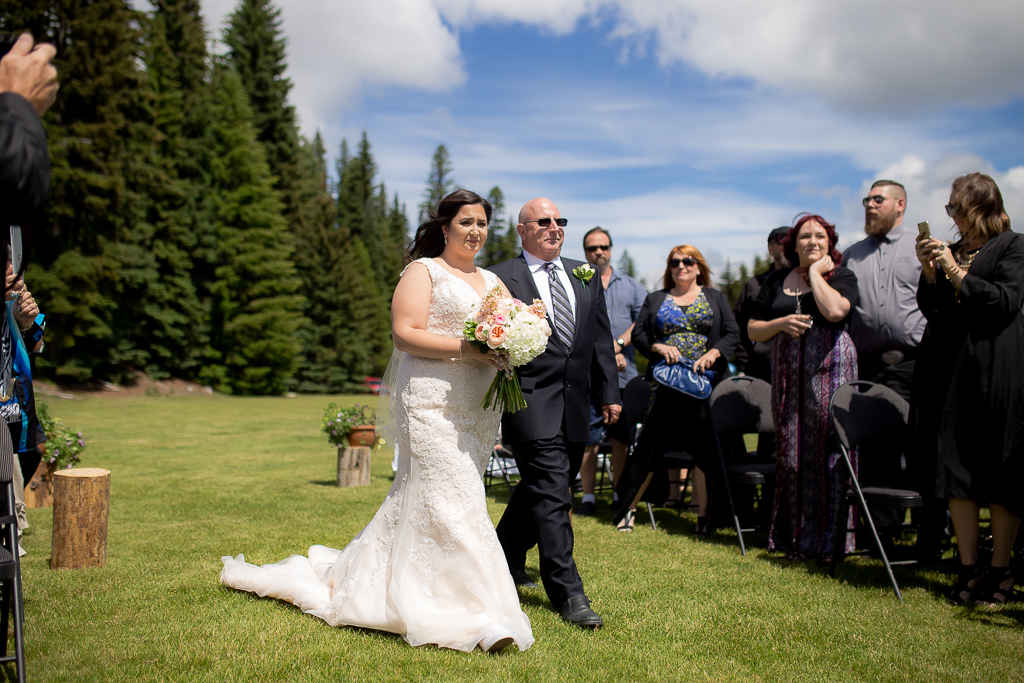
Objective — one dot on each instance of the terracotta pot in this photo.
(362, 436)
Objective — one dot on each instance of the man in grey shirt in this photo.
(887, 328)
(624, 296)
(887, 325)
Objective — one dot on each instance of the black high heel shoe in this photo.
(998, 586)
(970, 581)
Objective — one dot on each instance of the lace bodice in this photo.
(451, 298)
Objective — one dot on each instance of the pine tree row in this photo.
(190, 230)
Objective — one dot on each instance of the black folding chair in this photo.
(11, 603)
(866, 414)
(741, 405)
(501, 467)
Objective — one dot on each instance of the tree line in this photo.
(191, 231)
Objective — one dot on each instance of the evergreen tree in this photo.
(346, 316)
(439, 182)
(255, 310)
(502, 239)
(257, 50)
(730, 285)
(626, 265)
(761, 264)
(80, 265)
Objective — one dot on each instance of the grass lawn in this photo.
(197, 478)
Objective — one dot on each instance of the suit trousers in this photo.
(538, 513)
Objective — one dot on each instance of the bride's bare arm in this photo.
(410, 308)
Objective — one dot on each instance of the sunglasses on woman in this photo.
(688, 262)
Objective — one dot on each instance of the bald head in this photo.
(543, 241)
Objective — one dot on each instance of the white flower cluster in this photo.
(527, 337)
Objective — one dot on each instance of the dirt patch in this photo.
(141, 386)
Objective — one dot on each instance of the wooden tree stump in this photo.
(354, 466)
(81, 510)
(39, 489)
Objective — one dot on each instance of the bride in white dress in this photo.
(428, 566)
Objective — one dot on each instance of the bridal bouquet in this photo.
(519, 333)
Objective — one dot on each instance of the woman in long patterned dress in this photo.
(968, 407)
(805, 311)
(686, 322)
(428, 566)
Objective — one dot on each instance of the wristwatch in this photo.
(621, 343)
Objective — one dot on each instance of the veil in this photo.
(387, 421)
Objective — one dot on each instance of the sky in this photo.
(670, 121)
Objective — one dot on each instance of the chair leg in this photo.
(650, 514)
(728, 494)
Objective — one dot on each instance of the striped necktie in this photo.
(563, 321)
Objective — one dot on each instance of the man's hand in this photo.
(28, 72)
(620, 362)
(610, 413)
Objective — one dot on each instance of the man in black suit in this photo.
(549, 435)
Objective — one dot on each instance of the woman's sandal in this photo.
(998, 586)
(970, 581)
(627, 522)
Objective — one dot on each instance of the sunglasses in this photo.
(951, 210)
(688, 262)
(546, 222)
(878, 199)
(594, 247)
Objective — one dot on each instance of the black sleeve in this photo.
(602, 366)
(643, 329)
(1003, 291)
(24, 161)
(844, 281)
(730, 329)
(762, 307)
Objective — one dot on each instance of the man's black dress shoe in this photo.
(588, 509)
(523, 580)
(576, 610)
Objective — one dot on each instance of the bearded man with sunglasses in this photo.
(549, 435)
(886, 330)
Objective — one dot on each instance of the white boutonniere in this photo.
(583, 274)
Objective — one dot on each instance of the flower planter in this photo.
(362, 436)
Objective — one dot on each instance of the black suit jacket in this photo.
(724, 334)
(560, 381)
(24, 162)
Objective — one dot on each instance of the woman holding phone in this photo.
(969, 381)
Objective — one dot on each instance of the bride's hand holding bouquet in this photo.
(516, 333)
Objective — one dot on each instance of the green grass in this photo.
(197, 478)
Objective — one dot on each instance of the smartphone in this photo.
(7, 41)
(922, 228)
(17, 250)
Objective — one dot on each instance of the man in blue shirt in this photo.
(624, 297)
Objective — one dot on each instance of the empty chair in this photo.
(741, 405)
(865, 414)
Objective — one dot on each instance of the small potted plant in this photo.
(61, 450)
(350, 425)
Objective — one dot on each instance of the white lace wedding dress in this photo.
(428, 566)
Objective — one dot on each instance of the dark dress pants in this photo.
(538, 514)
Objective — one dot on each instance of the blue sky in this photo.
(670, 121)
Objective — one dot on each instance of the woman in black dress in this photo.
(805, 312)
(686, 322)
(969, 381)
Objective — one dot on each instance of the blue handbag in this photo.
(682, 378)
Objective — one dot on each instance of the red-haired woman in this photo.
(805, 311)
(969, 384)
(686, 322)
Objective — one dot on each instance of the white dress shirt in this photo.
(540, 278)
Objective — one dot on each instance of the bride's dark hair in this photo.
(429, 239)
